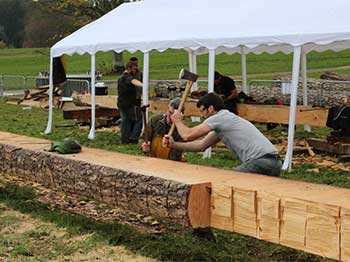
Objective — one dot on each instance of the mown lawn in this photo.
(170, 246)
(15, 119)
(166, 65)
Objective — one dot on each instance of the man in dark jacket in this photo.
(129, 106)
(225, 87)
(158, 126)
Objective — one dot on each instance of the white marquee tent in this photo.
(214, 26)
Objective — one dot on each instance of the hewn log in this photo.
(183, 203)
(311, 217)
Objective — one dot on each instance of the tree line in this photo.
(41, 23)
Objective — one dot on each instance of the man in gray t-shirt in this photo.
(242, 138)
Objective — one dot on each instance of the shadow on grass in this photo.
(170, 246)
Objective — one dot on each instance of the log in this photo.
(325, 146)
(85, 113)
(310, 217)
(183, 202)
(305, 115)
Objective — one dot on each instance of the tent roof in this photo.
(223, 25)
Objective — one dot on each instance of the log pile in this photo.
(334, 76)
(311, 217)
(39, 97)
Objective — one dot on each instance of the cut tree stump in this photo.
(311, 217)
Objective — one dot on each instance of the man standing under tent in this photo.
(245, 141)
(129, 106)
(225, 87)
(158, 126)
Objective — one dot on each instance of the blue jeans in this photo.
(130, 126)
(266, 165)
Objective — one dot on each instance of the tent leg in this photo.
(145, 86)
(244, 70)
(211, 69)
(49, 122)
(93, 100)
(192, 62)
(304, 78)
(293, 103)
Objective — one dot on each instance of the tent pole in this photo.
(192, 62)
(211, 69)
(304, 80)
(292, 112)
(244, 70)
(93, 100)
(145, 80)
(49, 122)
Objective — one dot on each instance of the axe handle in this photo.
(182, 102)
(145, 127)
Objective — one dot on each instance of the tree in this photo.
(12, 14)
(85, 11)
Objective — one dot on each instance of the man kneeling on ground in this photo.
(158, 126)
(256, 153)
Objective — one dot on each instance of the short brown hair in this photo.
(129, 65)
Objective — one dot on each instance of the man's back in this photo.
(126, 91)
(240, 136)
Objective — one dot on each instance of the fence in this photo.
(320, 92)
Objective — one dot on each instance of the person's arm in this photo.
(193, 146)
(189, 133)
(136, 82)
(233, 94)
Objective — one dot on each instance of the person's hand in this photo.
(176, 116)
(146, 147)
(168, 141)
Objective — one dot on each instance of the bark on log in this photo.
(185, 204)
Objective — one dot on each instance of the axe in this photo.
(191, 78)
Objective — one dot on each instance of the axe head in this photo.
(144, 107)
(187, 75)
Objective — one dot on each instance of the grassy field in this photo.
(48, 222)
(170, 246)
(166, 65)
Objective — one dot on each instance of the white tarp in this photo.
(269, 25)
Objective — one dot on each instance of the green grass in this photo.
(174, 245)
(33, 122)
(166, 65)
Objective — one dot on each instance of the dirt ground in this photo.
(23, 238)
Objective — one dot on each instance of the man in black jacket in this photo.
(129, 106)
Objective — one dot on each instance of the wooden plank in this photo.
(305, 115)
(345, 234)
(221, 207)
(293, 223)
(323, 230)
(268, 217)
(103, 101)
(199, 205)
(245, 211)
(85, 113)
(323, 145)
(161, 106)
